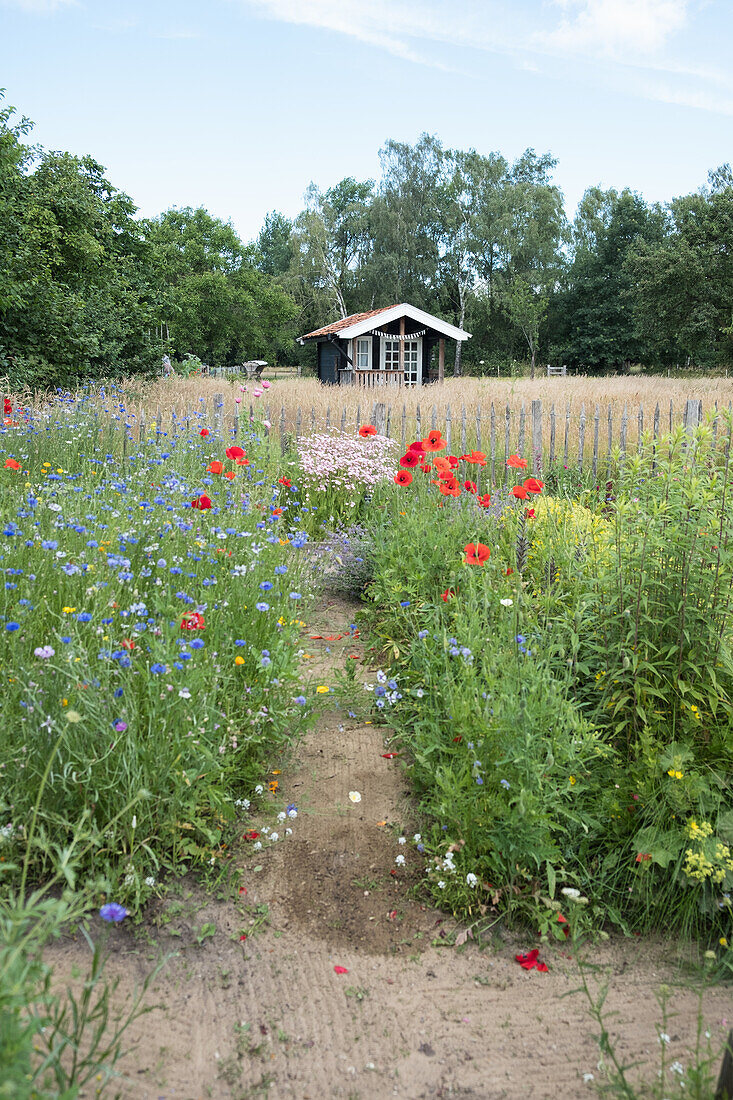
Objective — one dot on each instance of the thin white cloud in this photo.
(605, 40)
(39, 7)
(615, 27)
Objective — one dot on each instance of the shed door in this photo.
(328, 366)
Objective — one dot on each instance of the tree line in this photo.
(88, 289)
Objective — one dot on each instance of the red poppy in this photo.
(411, 459)
(457, 740)
(452, 461)
(417, 447)
(7, 407)
(194, 621)
(476, 554)
(284, 481)
(201, 502)
(403, 477)
(519, 492)
(531, 961)
(643, 857)
(230, 475)
(234, 452)
(204, 432)
(242, 462)
(562, 920)
(276, 512)
(215, 467)
(447, 595)
(469, 486)
(478, 458)
(251, 835)
(516, 463)
(425, 467)
(450, 488)
(449, 476)
(434, 441)
(484, 501)
(508, 572)
(532, 485)
(128, 643)
(11, 464)
(529, 513)
(366, 430)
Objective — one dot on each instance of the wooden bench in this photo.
(561, 371)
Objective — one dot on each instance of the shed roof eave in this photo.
(404, 310)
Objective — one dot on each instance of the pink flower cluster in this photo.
(337, 460)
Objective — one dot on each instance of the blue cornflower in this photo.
(240, 641)
(295, 596)
(49, 544)
(119, 692)
(84, 617)
(65, 639)
(300, 700)
(422, 634)
(262, 606)
(265, 661)
(280, 570)
(404, 603)
(266, 586)
(479, 780)
(520, 639)
(505, 783)
(12, 626)
(157, 667)
(197, 643)
(113, 912)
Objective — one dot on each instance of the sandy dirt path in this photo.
(414, 1017)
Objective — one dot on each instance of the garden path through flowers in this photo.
(411, 1017)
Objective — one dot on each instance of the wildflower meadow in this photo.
(551, 665)
(559, 679)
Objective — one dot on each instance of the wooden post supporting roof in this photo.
(441, 360)
(402, 348)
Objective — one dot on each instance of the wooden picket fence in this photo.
(546, 438)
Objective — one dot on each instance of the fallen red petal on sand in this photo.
(315, 636)
(531, 961)
(243, 937)
(340, 970)
(332, 637)
(354, 656)
(392, 914)
(389, 755)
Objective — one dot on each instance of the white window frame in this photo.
(368, 341)
(383, 357)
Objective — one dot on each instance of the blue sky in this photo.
(237, 105)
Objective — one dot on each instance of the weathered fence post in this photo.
(463, 429)
(640, 430)
(537, 437)
(567, 433)
(492, 436)
(522, 417)
(218, 406)
(581, 437)
(552, 433)
(448, 427)
(403, 432)
(298, 424)
(380, 416)
(507, 429)
(624, 425)
(693, 415)
(283, 440)
(655, 437)
(596, 426)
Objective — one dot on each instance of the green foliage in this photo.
(566, 706)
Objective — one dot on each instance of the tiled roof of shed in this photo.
(345, 322)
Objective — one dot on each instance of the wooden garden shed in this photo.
(391, 346)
